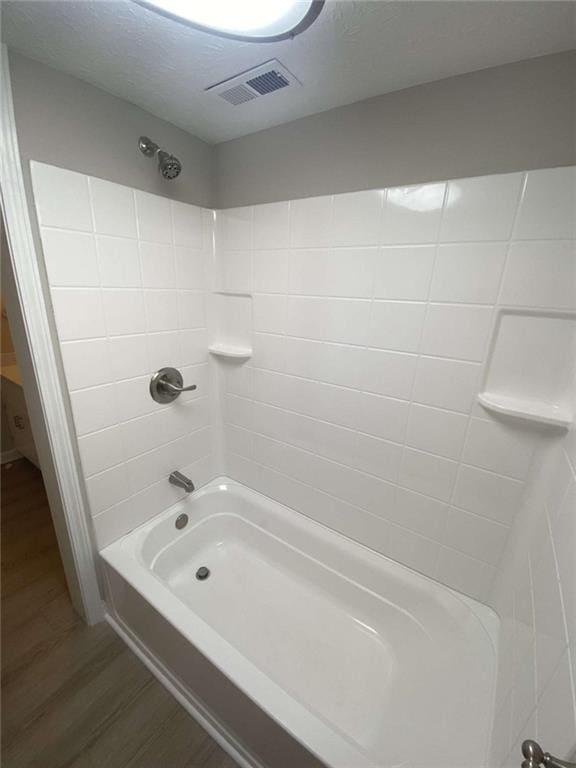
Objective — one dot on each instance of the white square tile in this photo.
(396, 325)
(340, 365)
(345, 320)
(161, 310)
(193, 347)
(412, 214)
(377, 457)
(191, 309)
(100, 450)
(551, 638)
(448, 384)
(118, 262)
(436, 431)
(143, 434)
(269, 313)
(475, 536)
(128, 356)
(357, 218)
(149, 468)
(78, 313)
(94, 409)
(548, 207)
(311, 221)
(62, 197)
(430, 475)
(541, 274)
(556, 711)
(164, 349)
(272, 225)
(158, 265)
(113, 208)
(499, 447)
(239, 441)
(86, 363)
(106, 489)
(333, 442)
(269, 352)
(154, 217)
(564, 536)
(481, 209)
(234, 229)
(234, 269)
(241, 412)
(387, 373)
(305, 317)
(412, 550)
(468, 273)
(419, 513)
(487, 494)
(456, 331)
(124, 311)
(382, 416)
(186, 225)
(465, 574)
(404, 273)
(270, 271)
(338, 405)
(191, 269)
(346, 272)
(133, 398)
(70, 258)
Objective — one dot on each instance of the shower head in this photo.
(168, 165)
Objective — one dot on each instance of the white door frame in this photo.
(43, 383)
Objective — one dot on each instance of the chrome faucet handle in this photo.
(535, 756)
(167, 384)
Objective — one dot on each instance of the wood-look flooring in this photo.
(75, 696)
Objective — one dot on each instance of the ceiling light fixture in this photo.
(257, 21)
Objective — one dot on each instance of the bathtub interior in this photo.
(383, 657)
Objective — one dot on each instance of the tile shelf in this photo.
(227, 350)
(527, 410)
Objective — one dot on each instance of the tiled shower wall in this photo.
(128, 275)
(535, 596)
(372, 315)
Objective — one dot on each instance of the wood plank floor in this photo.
(74, 696)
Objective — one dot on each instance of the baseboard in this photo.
(195, 708)
(11, 455)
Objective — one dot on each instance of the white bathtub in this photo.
(302, 645)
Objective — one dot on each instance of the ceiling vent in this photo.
(258, 81)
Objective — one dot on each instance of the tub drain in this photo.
(202, 573)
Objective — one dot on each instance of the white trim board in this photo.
(33, 336)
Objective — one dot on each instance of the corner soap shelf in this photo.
(227, 350)
(528, 410)
(531, 367)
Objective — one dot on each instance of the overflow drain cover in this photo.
(202, 573)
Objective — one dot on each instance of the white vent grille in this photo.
(254, 83)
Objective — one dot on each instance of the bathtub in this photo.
(303, 648)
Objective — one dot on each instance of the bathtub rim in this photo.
(321, 740)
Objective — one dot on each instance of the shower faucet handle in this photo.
(534, 756)
(167, 384)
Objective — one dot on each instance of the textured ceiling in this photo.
(354, 50)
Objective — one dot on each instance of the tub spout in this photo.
(177, 478)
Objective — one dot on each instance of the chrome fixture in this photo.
(181, 520)
(181, 481)
(166, 385)
(168, 165)
(534, 756)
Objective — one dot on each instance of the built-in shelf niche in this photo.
(231, 325)
(531, 367)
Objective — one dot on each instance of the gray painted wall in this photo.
(514, 117)
(66, 122)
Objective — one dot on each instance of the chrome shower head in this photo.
(168, 165)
